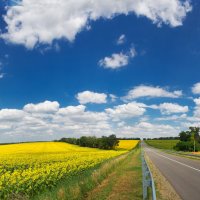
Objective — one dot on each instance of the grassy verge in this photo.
(125, 182)
(121, 169)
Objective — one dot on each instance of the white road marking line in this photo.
(176, 161)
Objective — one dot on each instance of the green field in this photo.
(162, 144)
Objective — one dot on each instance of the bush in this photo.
(187, 146)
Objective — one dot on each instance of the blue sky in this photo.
(128, 68)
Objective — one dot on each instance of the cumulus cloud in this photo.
(196, 88)
(121, 39)
(172, 118)
(170, 108)
(78, 114)
(47, 121)
(33, 21)
(72, 110)
(44, 107)
(91, 97)
(197, 108)
(185, 125)
(149, 130)
(150, 91)
(11, 114)
(117, 60)
(197, 101)
(129, 110)
(187, 119)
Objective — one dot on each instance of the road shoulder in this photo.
(164, 190)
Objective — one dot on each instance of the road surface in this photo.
(182, 173)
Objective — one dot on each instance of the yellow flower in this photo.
(33, 166)
(127, 144)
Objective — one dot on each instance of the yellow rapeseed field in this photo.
(32, 167)
(127, 144)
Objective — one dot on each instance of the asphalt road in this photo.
(182, 173)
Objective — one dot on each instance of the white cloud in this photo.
(196, 88)
(195, 118)
(34, 21)
(72, 110)
(185, 125)
(197, 101)
(172, 118)
(170, 108)
(48, 121)
(121, 39)
(129, 110)
(78, 115)
(197, 108)
(117, 60)
(150, 91)
(11, 114)
(149, 130)
(44, 107)
(91, 97)
(121, 124)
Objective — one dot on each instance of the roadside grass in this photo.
(162, 144)
(125, 182)
(124, 169)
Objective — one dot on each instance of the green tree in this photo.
(184, 136)
(189, 140)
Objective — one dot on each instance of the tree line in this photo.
(163, 138)
(105, 142)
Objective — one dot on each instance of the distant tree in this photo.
(104, 142)
(162, 138)
(113, 141)
(83, 141)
